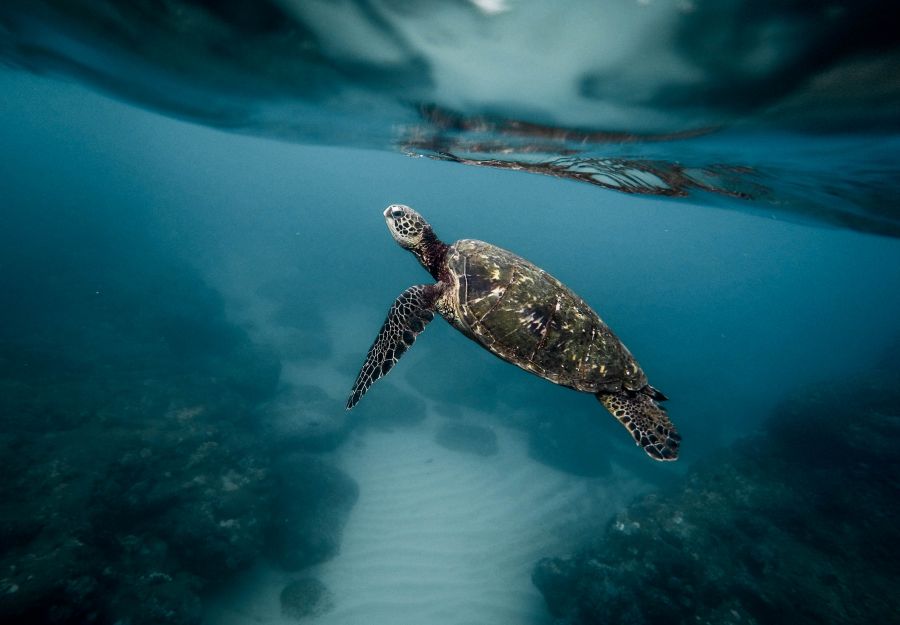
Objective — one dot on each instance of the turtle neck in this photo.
(431, 252)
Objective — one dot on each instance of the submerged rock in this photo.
(131, 520)
(795, 525)
(134, 476)
(306, 597)
(467, 438)
(312, 506)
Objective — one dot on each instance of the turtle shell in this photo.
(529, 318)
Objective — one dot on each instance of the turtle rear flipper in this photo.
(646, 420)
(408, 316)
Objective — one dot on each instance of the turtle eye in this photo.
(396, 213)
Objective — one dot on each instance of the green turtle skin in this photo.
(527, 317)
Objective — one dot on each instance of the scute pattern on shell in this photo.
(530, 319)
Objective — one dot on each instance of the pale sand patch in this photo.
(440, 537)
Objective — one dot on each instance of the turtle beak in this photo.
(387, 213)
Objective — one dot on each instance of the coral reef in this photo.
(796, 524)
(133, 474)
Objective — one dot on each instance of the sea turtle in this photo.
(525, 316)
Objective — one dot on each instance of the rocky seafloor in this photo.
(137, 471)
(797, 524)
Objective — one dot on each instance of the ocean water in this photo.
(194, 262)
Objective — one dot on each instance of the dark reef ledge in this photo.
(136, 473)
(797, 524)
(133, 477)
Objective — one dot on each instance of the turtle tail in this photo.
(647, 421)
(655, 393)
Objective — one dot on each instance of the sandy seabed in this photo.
(440, 536)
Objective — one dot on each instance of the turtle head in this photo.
(413, 233)
(408, 227)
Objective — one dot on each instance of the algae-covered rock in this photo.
(134, 476)
(305, 597)
(797, 524)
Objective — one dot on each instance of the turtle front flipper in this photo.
(646, 420)
(408, 316)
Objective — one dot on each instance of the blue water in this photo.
(185, 309)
